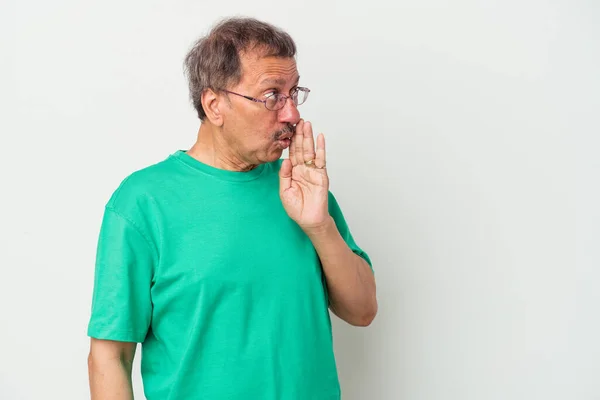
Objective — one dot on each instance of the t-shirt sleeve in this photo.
(336, 212)
(121, 303)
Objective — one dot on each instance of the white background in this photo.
(463, 149)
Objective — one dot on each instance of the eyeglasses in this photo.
(276, 101)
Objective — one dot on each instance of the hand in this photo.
(304, 189)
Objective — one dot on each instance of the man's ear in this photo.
(212, 104)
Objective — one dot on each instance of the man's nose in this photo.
(289, 113)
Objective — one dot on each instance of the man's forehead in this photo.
(261, 70)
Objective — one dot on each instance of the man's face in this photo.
(252, 130)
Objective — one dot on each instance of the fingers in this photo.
(292, 148)
(285, 175)
(297, 143)
(302, 148)
(308, 144)
(320, 160)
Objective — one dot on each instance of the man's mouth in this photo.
(285, 141)
(286, 136)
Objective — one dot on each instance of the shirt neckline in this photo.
(236, 176)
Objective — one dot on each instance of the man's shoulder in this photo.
(143, 184)
(153, 174)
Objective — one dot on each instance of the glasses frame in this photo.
(296, 90)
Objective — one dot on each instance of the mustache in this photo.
(289, 128)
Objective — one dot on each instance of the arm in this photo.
(350, 280)
(109, 367)
(304, 191)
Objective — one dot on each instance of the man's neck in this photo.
(210, 149)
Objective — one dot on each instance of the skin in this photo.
(109, 369)
(238, 134)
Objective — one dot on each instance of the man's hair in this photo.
(214, 60)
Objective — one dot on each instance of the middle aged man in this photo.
(222, 260)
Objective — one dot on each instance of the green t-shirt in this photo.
(225, 292)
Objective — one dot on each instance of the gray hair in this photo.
(214, 60)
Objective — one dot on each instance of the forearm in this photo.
(110, 379)
(350, 281)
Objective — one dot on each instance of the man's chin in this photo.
(274, 154)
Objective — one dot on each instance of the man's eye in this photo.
(271, 93)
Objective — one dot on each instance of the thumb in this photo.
(285, 175)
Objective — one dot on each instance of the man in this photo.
(222, 260)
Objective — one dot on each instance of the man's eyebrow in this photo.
(278, 81)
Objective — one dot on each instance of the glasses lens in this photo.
(300, 96)
(275, 102)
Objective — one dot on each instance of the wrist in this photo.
(321, 229)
